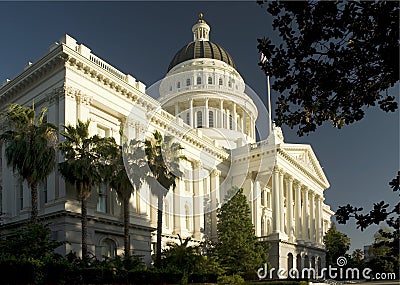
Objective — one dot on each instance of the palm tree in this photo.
(85, 163)
(163, 157)
(125, 178)
(30, 148)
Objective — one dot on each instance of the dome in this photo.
(201, 49)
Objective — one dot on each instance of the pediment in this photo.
(304, 155)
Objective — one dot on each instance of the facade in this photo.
(203, 104)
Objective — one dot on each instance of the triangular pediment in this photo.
(304, 155)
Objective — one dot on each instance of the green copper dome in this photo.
(201, 49)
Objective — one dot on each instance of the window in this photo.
(178, 85)
(230, 122)
(188, 82)
(262, 198)
(44, 187)
(199, 80)
(188, 118)
(102, 198)
(211, 119)
(20, 191)
(209, 80)
(229, 84)
(187, 217)
(166, 213)
(109, 248)
(199, 119)
(220, 81)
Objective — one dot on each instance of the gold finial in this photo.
(201, 18)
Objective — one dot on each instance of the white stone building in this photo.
(204, 105)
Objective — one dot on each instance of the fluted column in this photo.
(234, 117)
(191, 113)
(180, 188)
(197, 204)
(276, 224)
(215, 174)
(221, 114)
(298, 211)
(305, 214)
(318, 220)
(290, 207)
(281, 202)
(206, 116)
(243, 121)
(227, 118)
(312, 216)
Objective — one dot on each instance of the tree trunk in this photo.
(127, 248)
(84, 227)
(159, 230)
(34, 203)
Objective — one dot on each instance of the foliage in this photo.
(385, 255)
(336, 245)
(163, 156)
(237, 249)
(86, 159)
(230, 279)
(335, 59)
(30, 147)
(126, 173)
(389, 239)
(30, 241)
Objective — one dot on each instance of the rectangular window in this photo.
(102, 198)
(44, 187)
(20, 191)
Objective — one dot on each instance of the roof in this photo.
(201, 49)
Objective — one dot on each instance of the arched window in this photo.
(262, 198)
(210, 80)
(220, 82)
(199, 119)
(188, 82)
(198, 80)
(211, 119)
(229, 84)
(187, 217)
(108, 248)
(178, 85)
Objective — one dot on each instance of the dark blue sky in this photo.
(141, 38)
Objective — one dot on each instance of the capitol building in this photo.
(202, 102)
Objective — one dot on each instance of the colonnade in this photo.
(226, 116)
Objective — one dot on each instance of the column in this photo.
(176, 109)
(290, 207)
(221, 114)
(206, 116)
(197, 204)
(276, 226)
(305, 214)
(227, 119)
(256, 205)
(177, 205)
(281, 204)
(234, 117)
(298, 211)
(318, 220)
(312, 217)
(191, 113)
(243, 121)
(215, 173)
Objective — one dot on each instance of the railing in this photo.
(107, 67)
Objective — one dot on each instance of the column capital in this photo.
(296, 183)
(277, 169)
(197, 164)
(215, 172)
